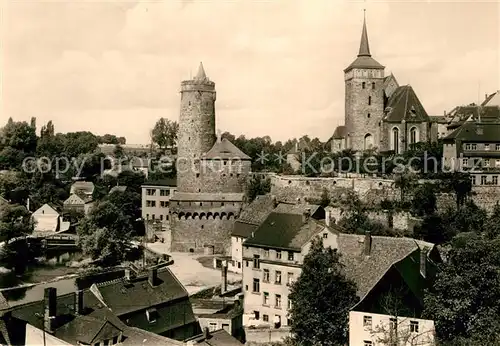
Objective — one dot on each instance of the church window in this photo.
(368, 141)
(395, 140)
(413, 135)
(363, 85)
(373, 85)
(369, 100)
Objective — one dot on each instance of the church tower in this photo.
(196, 128)
(364, 98)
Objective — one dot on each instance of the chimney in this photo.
(306, 215)
(50, 308)
(153, 276)
(444, 113)
(79, 307)
(327, 216)
(423, 262)
(368, 243)
(485, 96)
(223, 287)
(206, 333)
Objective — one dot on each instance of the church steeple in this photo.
(364, 47)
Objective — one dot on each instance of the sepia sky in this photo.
(116, 66)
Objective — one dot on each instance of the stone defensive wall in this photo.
(398, 220)
(295, 188)
(371, 191)
(198, 234)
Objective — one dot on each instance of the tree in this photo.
(424, 200)
(404, 181)
(258, 186)
(464, 301)
(165, 133)
(398, 331)
(321, 299)
(118, 152)
(325, 199)
(15, 221)
(492, 225)
(459, 183)
(133, 180)
(105, 233)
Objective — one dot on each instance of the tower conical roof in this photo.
(364, 47)
(201, 73)
(364, 59)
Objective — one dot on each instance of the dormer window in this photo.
(151, 315)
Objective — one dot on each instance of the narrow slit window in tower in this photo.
(363, 84)
(373, 85)
(369, 100)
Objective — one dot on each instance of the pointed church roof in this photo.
(224, 149)
(364, 47)
(201, 73)
(364, 59)
(404, 104)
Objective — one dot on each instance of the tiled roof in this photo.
(215, 338)
(365, 62)
(199, 196)
(299, 208)
(224, 149)
(440, 119)
(75, 198)
(340, 132)
(285, 231)
(299, 147)
(123, 297)
(460, 115)
(257, 211)
(161, 182)
(94, 324)
(477, 132)
(492, 99)
(124, 300)
(404, 104)
(243, 230)
(366, 271)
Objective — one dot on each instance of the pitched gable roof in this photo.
(74, 199)
(224, 149)
(492, 99)
(257, 211)
(216, 338)
(340, 132)
(476, 132)
(123, 297)
(285, 231)
(404, 104)
(366, 271)
(46, 210)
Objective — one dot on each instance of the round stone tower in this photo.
(364, 98)
(196, 128)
